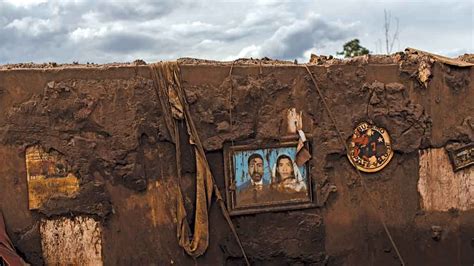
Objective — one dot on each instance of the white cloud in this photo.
(104, 31)
(250, 51)
(85, 34)
(207, 44)
(193, 28)
(25, 3)
(32, 26)
(296, 40)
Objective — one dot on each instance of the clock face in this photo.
(369, 148)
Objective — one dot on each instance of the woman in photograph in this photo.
(286, 176)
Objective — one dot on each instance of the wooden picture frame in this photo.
(256, 184)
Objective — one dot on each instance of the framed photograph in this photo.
(263, 179)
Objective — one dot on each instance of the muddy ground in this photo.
(107, 123)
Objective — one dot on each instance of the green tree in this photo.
(353, 48)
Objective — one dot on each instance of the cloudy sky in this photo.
(153, 30)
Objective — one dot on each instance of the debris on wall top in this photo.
(465, 60)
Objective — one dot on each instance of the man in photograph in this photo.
(255, 189)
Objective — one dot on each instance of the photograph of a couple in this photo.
(268, 176)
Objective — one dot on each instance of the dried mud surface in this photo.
(111, 132)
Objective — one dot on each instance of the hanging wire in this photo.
(371, 200)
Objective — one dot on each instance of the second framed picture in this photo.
(266, 178)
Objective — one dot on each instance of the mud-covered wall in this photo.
(107, 124)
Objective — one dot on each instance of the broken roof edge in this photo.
(320, 60)
(461, 61)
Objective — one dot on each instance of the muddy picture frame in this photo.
(462, 157)
(272, 150)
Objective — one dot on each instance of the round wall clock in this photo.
(370, 149)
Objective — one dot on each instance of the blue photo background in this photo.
(269, 159)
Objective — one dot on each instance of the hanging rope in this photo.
(172, 99)
(231, 91)
(341, 139)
